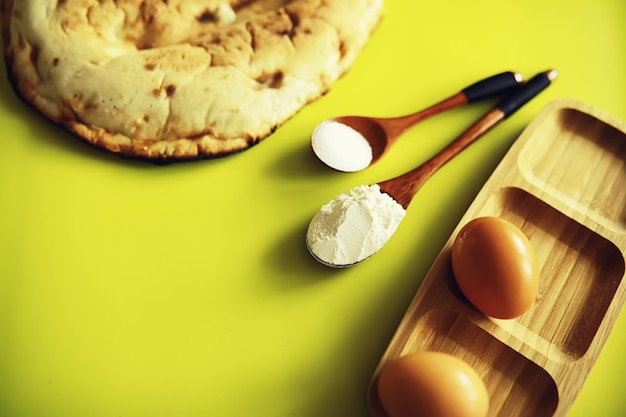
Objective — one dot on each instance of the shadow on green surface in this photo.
(46, 133)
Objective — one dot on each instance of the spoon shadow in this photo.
(293, 264)
(299, 163)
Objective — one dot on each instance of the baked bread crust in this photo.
(179, 79)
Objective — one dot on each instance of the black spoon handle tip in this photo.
(498, 84)
(526, 92)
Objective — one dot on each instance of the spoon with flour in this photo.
(356, 224)
(352, 143)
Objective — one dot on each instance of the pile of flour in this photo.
(353, 226)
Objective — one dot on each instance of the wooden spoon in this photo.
(352, 143)
(332, 249)
(404, 187)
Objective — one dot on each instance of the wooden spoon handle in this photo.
(494, 85)
(404, 187)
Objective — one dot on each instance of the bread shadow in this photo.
(46, 133)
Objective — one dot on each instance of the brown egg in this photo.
(496, 267)
(431, 384)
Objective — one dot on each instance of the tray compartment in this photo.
(582, 161)
(517, 386)
(578, 268)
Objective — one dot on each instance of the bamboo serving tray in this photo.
(563, 183)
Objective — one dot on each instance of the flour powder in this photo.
(353, 226)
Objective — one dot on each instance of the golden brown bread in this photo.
(179, 79)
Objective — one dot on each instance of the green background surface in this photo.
(128, 289)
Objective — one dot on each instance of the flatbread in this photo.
(179, 79)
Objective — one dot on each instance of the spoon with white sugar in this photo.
(352, 143)
(356, 224)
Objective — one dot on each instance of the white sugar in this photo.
(341, 147)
